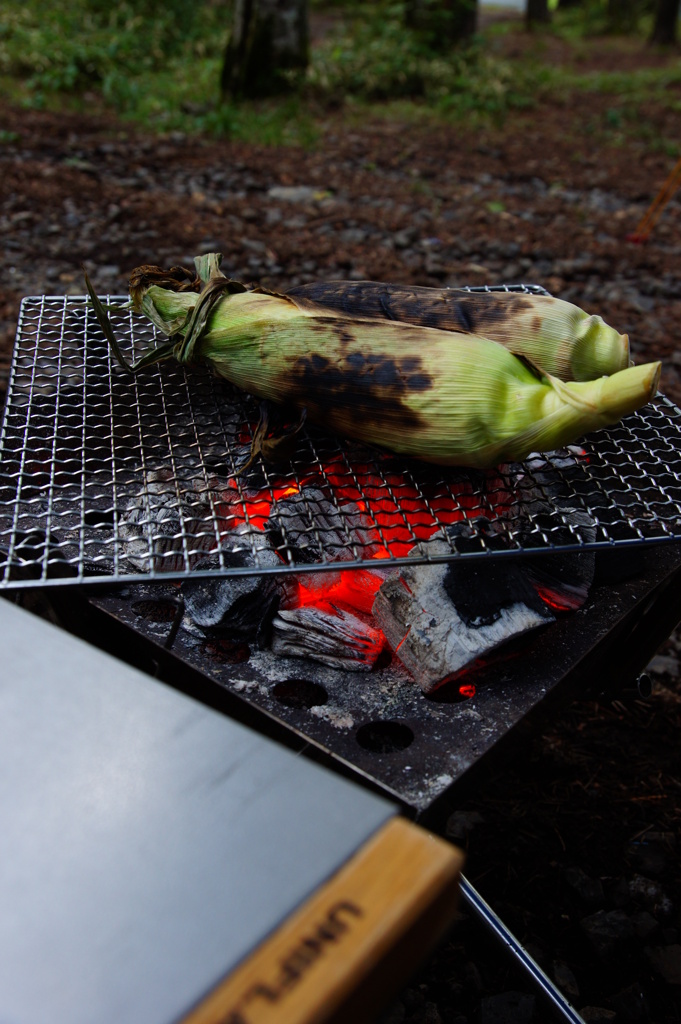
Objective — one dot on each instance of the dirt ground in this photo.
(588, 822)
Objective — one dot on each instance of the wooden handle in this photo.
(353, 943)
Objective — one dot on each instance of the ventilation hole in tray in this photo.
(99, 517)
(300, 693)
(384, 737)
(229, 652)
(156, 611)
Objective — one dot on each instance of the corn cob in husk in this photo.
(404, 387)
(557, 335)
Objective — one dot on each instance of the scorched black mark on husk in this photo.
(373, 386)
(449, 309)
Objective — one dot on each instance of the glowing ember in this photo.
(340, 510)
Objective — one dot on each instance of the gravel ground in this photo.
(576, 843)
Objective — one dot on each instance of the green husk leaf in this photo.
(154, 355)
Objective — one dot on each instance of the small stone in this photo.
(630, 1005)
(294, 193)
(649, 858)
(664, 664)
(565, 980)
(108, 270)
(429, 1014)
(589, 890)
(665, 961)
(412, 999)
(394, 1014)
(472, 977)
(650, 895)
(644, 924)
(607, 931)
(404, 238)
(507, 1008)
(597, 1015)
(461, 823)
(355, 236)
(618, 894)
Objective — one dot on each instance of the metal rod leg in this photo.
(483, 910)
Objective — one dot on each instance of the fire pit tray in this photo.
(107, 477)
(424, 751)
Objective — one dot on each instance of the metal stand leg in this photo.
(483, 910)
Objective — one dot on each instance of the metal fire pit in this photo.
(106, 477)
(130, 481)
(427, 752)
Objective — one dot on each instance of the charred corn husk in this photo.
(557, 335)
(404, 387)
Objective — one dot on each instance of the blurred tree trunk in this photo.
(268, 39)
(569, 3)
(666, 23)
(442, 22)
(537, 12)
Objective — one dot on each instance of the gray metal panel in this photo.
(147, 843)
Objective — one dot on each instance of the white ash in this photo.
(435, 638)
(333, 715)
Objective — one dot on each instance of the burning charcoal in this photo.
(307, 526)
(563, 580)
(238, 605)
(351, 588)
(433, 638)
(329, 635)
(480, 588)
(544, 488)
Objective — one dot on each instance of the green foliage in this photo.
(376, 58)
(160, 64)
(602, 17)
(68, 46)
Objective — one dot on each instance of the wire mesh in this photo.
(106, 476)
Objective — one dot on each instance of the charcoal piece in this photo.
(308, 527)
(307, 588)
(479, 589)
(239, 606)
(563, 580)
(330, 635)
(427, 633)
(163, 528)
(36, 554)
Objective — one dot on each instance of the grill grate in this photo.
(105, 476)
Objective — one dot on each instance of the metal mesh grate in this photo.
(105, 476)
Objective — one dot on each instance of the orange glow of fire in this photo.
(233, 510)
(352, 588)
(394, 512)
